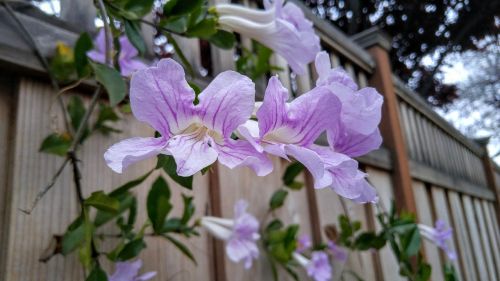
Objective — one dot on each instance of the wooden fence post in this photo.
(378, 45)
(218, 262)
(489, 171)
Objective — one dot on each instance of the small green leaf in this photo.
(97, 274)
(181, 247)
(274, 225)
(131, 249)
(76, 110)
(223, 39)
(188, 208)
(133, 32)
(106, 114)
(73, 238)
(131, 184)
(132, 9)
(168, 164)
(101, 201)
(291, 172)
(295, 185)
(112, 81)
(82, 46)
(411, 242)
(204, 29)
(180, 7)
(57, 144)
(278, 199)
(158, 203)
(126, 201)
(177, 24)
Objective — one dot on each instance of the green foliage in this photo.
(76, 110)
(73, 237)
(277, 199)
(57, 144)
(62, 64)
(223, 39)
(167, 163)
(133, 32)
(181, 7)
(158, 203)
(291, 173)
(255, 64)
(185, 250)
(112, 81)
(82, 46)
(103, 202)
(97, 274)
(131, 249)
(450, 274)
(106, 115)
(130, 9)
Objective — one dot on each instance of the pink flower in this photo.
(318, 267)
(439, 235)
(195, 135)
(284, 29)
(241, 234)
(304, 243)
(127, 60)
(289, 129)
(129, 271)
(337, 252)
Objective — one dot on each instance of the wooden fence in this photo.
(425, 164)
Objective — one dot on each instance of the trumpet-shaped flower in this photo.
(129, 271)
(127, 60)
(439, 235)
(357, 132)
(289, 129)
(336, 251)
(195, 135)
(303, 243)
(318, 267)
(284, 29)
(241, 234)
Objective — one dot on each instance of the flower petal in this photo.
(227, 102)
(121, 155)
(127, 50)
(146, 276)
(236, 153)
(191, 152)
(126, 270)
(272, 112)
(368, 193)
(312, 162)
(128, 66)
(161, 97)
(250, 132)
(240, 249)
(353, 143)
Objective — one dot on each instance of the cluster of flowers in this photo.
(198, 135)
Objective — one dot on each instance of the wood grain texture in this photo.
(29, 235)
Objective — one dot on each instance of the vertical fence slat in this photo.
(485, 239)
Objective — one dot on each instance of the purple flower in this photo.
(357, 132)
(129, 271)
(241, 234)
(347, 180)
(337, 252)
(195, 135)
(318, 267)
(127, 59)
(281, 28)
(304, 243)
(439, 235)
(289, 129)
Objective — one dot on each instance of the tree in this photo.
(420, 29)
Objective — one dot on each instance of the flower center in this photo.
(200, 131)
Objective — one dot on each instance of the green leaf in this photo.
(180, 7)
(62, 64)
(97, 274)
(133, 32)
(167, 162)
(158, 203)
(74, 237)
(411, 242)
(57, 144)
(112, 81)
(181, 55)
(76, 110)
(82, 46)
(132, 9)
(126, 201)
(278, 199)
(223, 39)
(101, 201)
(188, 208)
(274, 225)
(131, 184)
(204, 29)
(131, 249)
(296, 185)
(181, 247)
(106, 114)
(177, 24)
(424, 272)
(291, 172)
